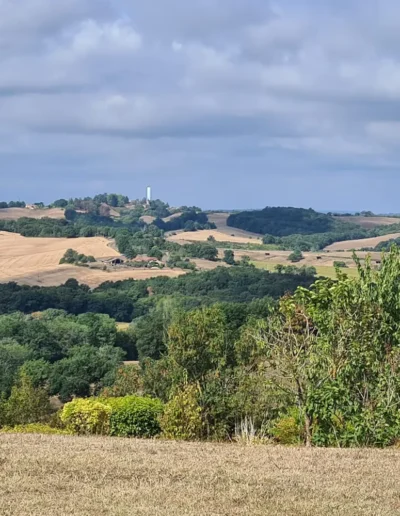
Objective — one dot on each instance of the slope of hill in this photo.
(370, 222)
(361, 243)
(93, 476)
(18, 213)
(220, 220)
(35, 261)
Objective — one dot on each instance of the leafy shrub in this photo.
(287, 429)
(341, 265)
(296, 256)
(26, 404)
(134, 416)
(34, 428)
(86, 416)
(128, 381)
(74, 258)
(182, 415)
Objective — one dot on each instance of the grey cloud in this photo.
(199, 90)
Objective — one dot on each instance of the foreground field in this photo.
(18, 213)
(35, 261)
(47, 475)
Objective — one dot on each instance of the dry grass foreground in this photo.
(48, 475)
(360, 244)
(35, 261)
(18, 213)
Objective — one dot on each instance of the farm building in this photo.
(114, 261)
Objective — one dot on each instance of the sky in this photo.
(221, 104)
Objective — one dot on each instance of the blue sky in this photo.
(228, 104)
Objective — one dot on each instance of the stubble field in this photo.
(35, 261)
(184, 237)
(48, 475)
(360, 244)
(17, 213)
(371, 222)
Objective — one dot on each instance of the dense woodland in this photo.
(306, 230)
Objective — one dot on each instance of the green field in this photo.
(322, 270)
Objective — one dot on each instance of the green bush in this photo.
(86, 416)
(128, 381)
(288, 429)
(26, 404)
(34, 428)
(134, 416)
(182, 415)
(296, 256)
(341, 265)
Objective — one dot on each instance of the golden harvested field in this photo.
(325, 259)
(322, 270)
(18, 213)
(371, 222)
(173, 216)
(220, 219)
(147, 219)
(35, 261)
(94, 476)
(201, 236)
(359, 244)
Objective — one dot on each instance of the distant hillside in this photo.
(283, 221)
(18, 213)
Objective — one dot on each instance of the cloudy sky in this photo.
(222, 104)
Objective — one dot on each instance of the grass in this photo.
(48, 475)
(322, 270)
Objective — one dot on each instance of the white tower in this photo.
(148, 195)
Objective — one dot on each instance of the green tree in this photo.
(12, 357)
(296, 256)
(229, 257)
(85, 367)
(112, 200)
(155, 252)
(70, 214)
(26, 403)
(60, 203)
